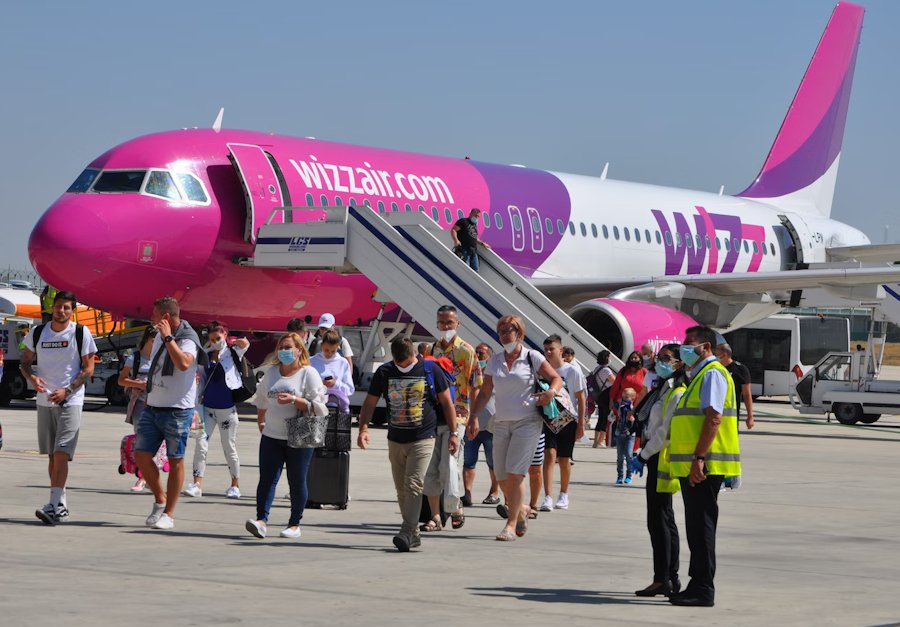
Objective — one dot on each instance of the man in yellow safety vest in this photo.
(703, 450)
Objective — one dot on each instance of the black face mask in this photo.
(634, 364)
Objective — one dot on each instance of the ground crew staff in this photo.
(47, 297)
(703, 450)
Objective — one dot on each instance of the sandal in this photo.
(432, 525)
(505, 536)
(521, 527)
(457, 520)
(490, 499)
(532, 513)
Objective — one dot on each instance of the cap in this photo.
(326, 320)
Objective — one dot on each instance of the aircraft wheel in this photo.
(847, 413)
(869, 418)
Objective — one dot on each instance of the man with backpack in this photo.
(412, 401)
(444, 473)
(65, 361)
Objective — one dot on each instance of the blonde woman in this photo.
(289, 385)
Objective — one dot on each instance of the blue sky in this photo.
(689, 94)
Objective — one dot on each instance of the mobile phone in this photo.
(327, 378)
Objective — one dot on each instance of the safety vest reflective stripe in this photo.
(665, 482)
(723, 456)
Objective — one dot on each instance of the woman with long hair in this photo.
(133, 377)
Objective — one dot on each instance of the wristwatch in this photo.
(168, 338)
(454, 433)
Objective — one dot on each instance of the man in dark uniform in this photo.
(465, 238)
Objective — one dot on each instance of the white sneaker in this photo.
(233, 492)
(290, 532)
(255, 528)
(563, 501)
(546, 505)
(165, 522)
(192, 490)
(155, 514)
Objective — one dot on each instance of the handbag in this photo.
(560, 412)
(306, 430)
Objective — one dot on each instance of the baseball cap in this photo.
(326, 320)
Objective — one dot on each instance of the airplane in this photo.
(173, 213)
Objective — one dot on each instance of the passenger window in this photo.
(736, 244)
(485, 219)
(352, 201)
(560, 227)
(755, 248)
(688, 240)
(708, 245)
(310, 201)
(772, 248)
(434, 213)
(408, 208)
(121, 181)
(572, 228)
(677, 240)
(647, 236)
(659, 238)
(160, 183)
(605, 232)
(421, 209)
(395, 207)
(498, 220)
(727, 244)
(627, 234)
(338, 202)
(367, 203)
(535, 224)
(583, 230)
(459, 214)
(192, 187)
(699, 242)
(718, 244)
(549, 224)
(637, 235)
(517, 222)
(616, 233)
(448, 215)
(324, 200)
(668, 239)
(746, 246)
(763, 246)
(84, 180)
(594, 230)
(380, 206)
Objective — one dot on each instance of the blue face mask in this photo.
(286, 356)
(482, 364)
(664, 370)
(688, 354)
(473, 220)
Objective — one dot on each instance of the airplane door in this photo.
(262, 188)
(518, 229)
(805, 240)
(537, 233)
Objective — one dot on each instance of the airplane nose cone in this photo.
(65, 244)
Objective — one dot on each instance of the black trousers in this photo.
(701, 514)
(662, 527)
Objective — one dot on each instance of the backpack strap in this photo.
(135, 363)
(429, 378)
(36, 338)
(79, 338)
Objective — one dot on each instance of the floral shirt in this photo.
(465, 369)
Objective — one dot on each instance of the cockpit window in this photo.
(84, 181)
(192, 187)
(120, 181)
(160, 183)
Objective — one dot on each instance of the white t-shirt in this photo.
(178, 389)
(514, 387)
(575, 381)
(337, 367)
(305, 383)
(57, 360)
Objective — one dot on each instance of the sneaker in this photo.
(46, 514)
(233, 492)
(627, 479)
(547, 505)
(503, 511)
(138, 485)
(165, 522)
(290, 532)
(620, 481)
(62, 514)
(404, 542)
(192, 490)
(563, 501)
(255, 528)
(155, 514)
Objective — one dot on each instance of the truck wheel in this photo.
(847, 413)
(115, 393)
(869, 418)
(16, 386)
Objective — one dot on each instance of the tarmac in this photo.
(810, 538)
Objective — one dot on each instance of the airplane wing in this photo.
(871, 253)
(569, 292)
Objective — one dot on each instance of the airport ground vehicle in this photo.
(13, 385)
(845, 384)
(779, 350)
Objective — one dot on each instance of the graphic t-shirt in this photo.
(305, 383)
(412, 410)
(58, 361)
(468, 233)
(466, 372)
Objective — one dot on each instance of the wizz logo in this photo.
(699, 243)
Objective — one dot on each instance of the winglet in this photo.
(801, 169)
(217, 125)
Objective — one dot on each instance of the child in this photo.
(622, 434)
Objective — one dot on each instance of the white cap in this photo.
(326, 321)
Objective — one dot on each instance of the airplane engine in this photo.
(624, 325)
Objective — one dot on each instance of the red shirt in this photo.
(628, 378)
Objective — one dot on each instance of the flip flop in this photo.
(432, 525)
(521, 527)
(532, 513)
(490, 499)
(457, 520)
(505, 536)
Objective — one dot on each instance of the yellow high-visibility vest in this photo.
(665, 482)
(724, 456)
(47, 300)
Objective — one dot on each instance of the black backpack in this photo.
(248, 378)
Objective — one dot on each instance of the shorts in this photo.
(564, 441)
(57, 429)
(470, 450)
(163, 423)
(514, 444)
(538, 459)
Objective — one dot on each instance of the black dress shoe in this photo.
(654, 589)
(686, 601)
(675, 587)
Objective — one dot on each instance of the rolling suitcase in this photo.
(337, 430)
(328, 479)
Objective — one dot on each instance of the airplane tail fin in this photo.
(801, 169)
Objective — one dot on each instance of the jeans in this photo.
(443, 474)
(227, 421)
(274, 455)
(409, 461)
(624, 451)
(163, 423)
(470, 450)
(470, 256)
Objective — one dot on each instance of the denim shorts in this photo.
(163, 423)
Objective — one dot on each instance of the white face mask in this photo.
(218, 346)
(509, 347)
(405, 369)
(448, 335)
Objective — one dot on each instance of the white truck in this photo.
(845, 384)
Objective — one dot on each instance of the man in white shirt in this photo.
(171, 394)
(65, 355)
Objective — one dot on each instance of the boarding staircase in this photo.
(409, 257)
